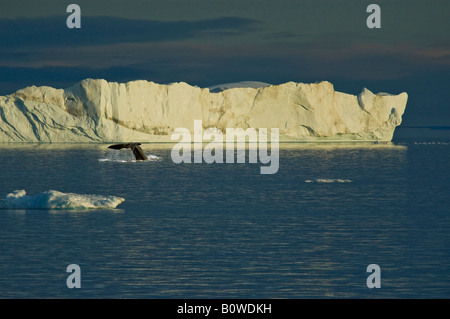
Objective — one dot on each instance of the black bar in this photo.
(224, 308)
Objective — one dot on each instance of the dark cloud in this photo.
(283, 35)
(52, 31)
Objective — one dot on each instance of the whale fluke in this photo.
(137, 150)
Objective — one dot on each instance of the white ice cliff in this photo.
(100, 111)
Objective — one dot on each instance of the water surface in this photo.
(226, 231)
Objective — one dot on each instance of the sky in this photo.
(209, 42)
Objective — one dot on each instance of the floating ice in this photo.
(328, 180)
(57, 200)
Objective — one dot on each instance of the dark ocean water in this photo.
(226, 231)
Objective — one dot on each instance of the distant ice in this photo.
(57, 200)
(242, 84)
(432, 143)
(328, 180)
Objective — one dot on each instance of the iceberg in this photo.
(57, 200)
(94, 110)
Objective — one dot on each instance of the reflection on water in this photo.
(226, 231)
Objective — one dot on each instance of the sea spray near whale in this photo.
(120, 154)
(95, 110)
(119, 157)
(57, 200)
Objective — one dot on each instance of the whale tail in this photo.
(135, 148)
